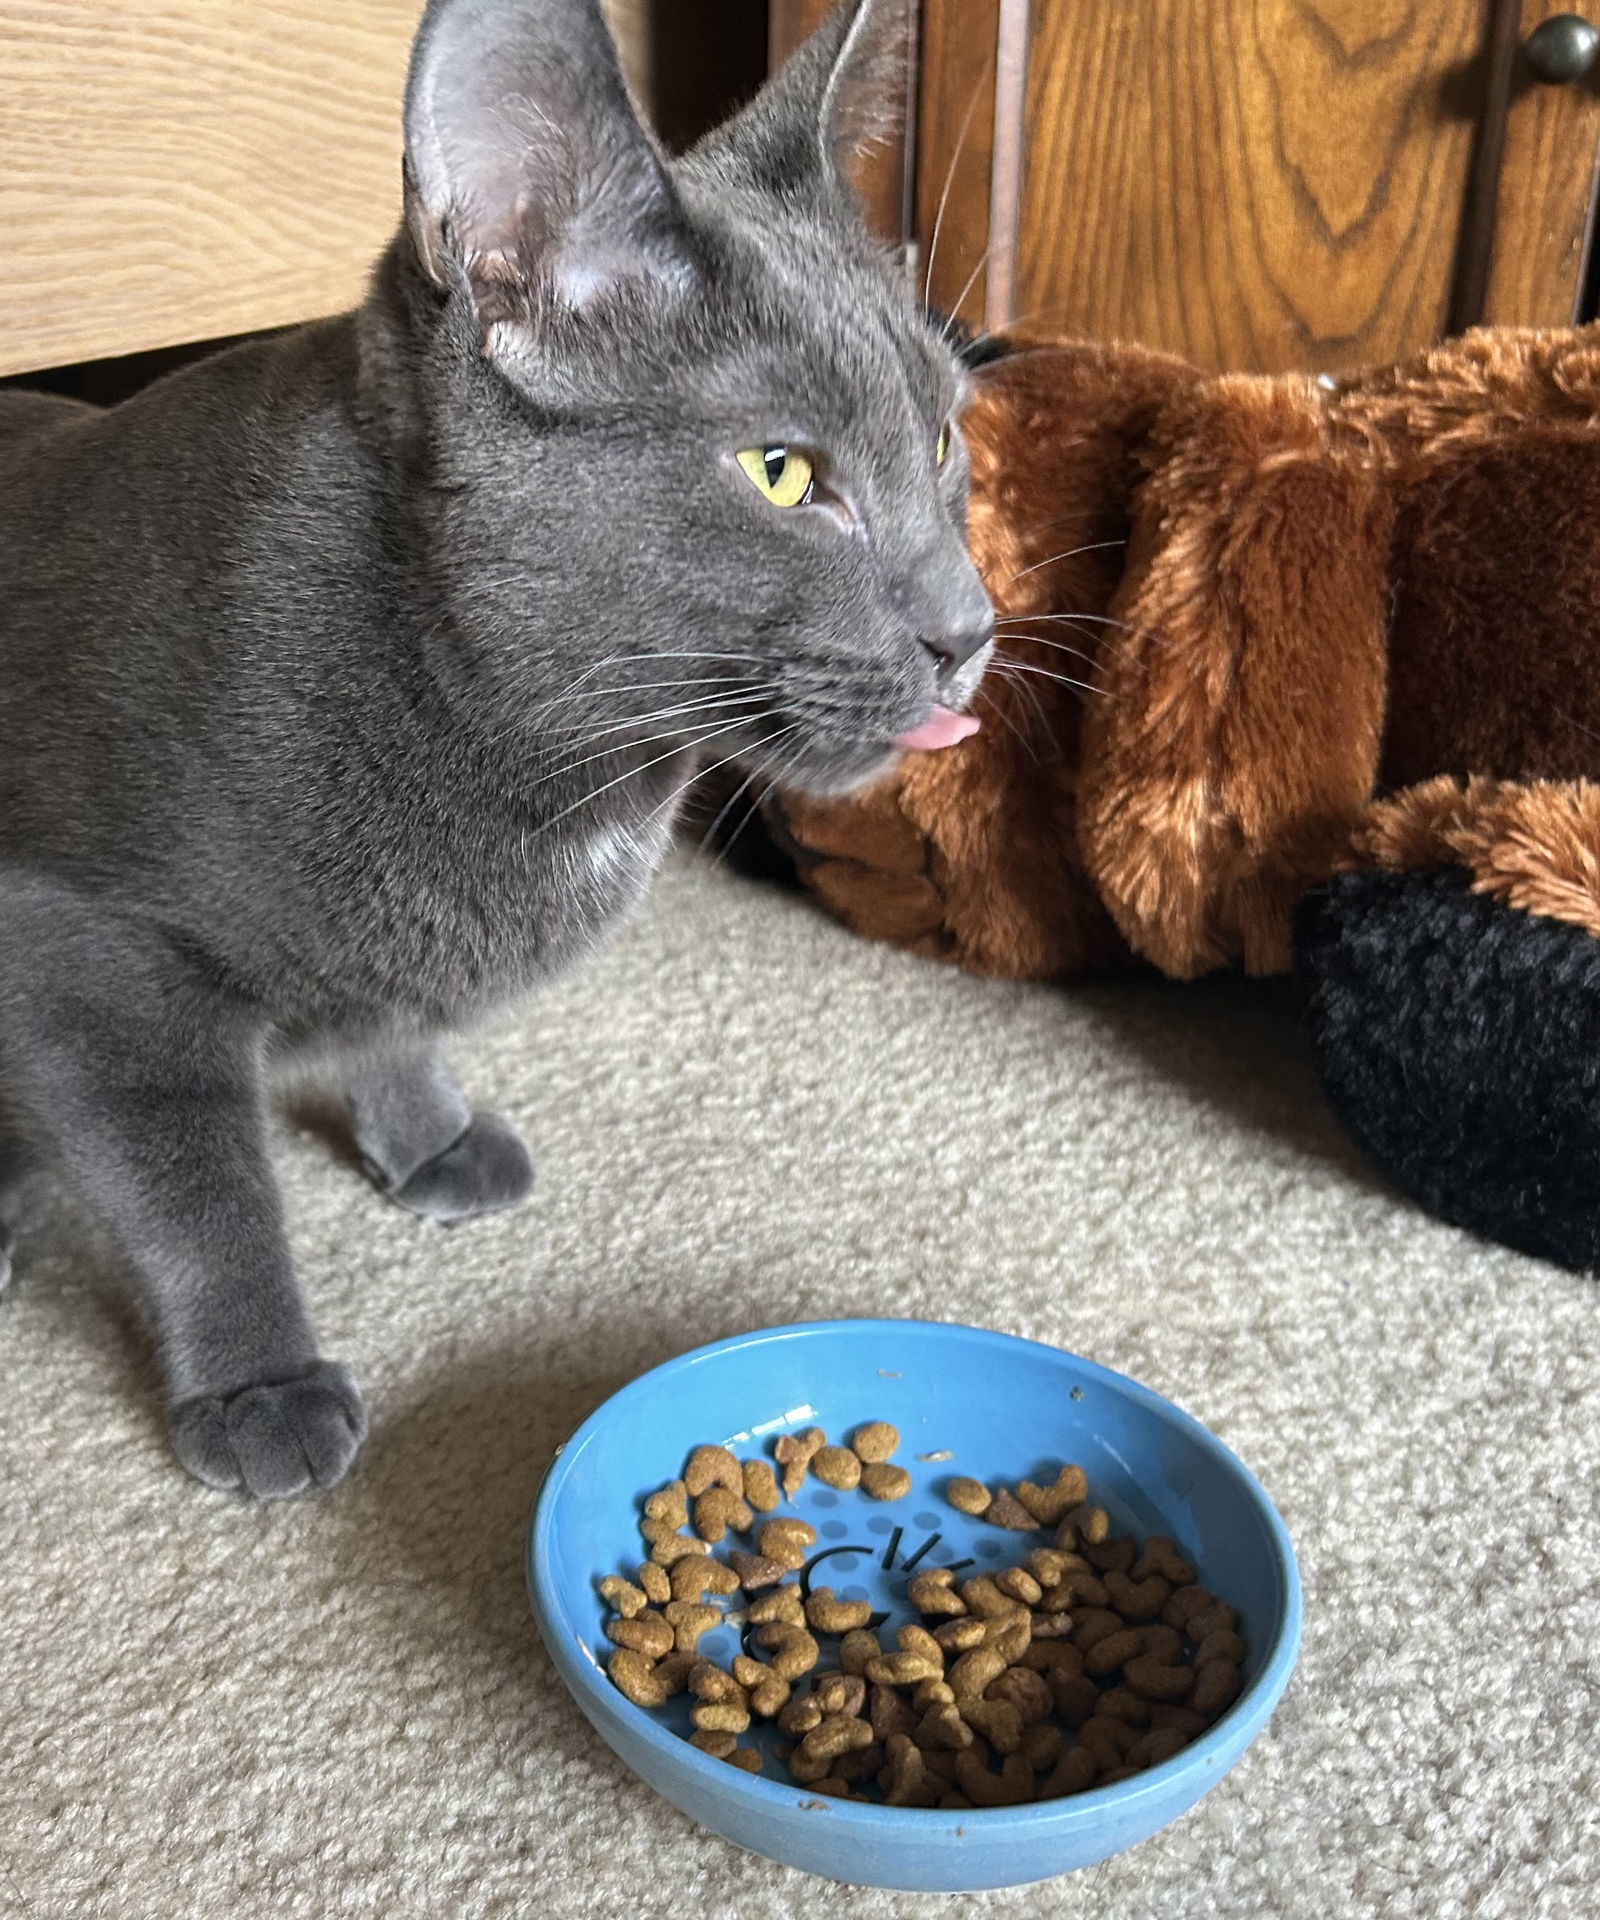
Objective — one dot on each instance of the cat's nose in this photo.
(955, 646)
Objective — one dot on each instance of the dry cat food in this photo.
(1094, 1657)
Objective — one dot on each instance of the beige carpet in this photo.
(744, 1116)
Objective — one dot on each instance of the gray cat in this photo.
(349, 680)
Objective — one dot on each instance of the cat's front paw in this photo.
(487, 1170)
(276, 1439)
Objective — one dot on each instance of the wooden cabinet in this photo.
(1252, 183)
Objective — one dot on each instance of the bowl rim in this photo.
(551, 1613)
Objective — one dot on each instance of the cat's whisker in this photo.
(986, 695)
(1099, 619)
(684, 743)
(632, 773)
(950, 180)
(1058, 646)
(960, 300)
(1007, 665)
(701, 773)
(1096, 546)
(721, 702)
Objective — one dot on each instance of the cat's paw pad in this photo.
(487, 1170)
(273, 1440)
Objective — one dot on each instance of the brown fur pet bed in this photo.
(1291, 668)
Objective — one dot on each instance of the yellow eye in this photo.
(942, 451)
(780, 474)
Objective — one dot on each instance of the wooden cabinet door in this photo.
(1255, 184)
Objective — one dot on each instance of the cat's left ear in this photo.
(528, 172)
(838, 94)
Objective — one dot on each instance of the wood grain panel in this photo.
(176, 170)
(1253, 183)
(1546, 189)
(955, 153)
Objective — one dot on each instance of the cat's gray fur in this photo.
(332, 668)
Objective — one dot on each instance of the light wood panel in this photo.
(176, 170)
(1546, 188)
(1253, 183)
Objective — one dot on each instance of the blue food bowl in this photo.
(966, 1402)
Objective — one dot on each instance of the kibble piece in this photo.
(669, 1503)
(1050, 1505)
(1108, 1739)
(1154, 1681)
(689, 1619)
(835, 1734)
(968, 1496)
(793, 1452)
(786, 1541)
(760, 1485)
(880, 1482)
(713, 1467)
(974, 1672)
(1161, 1556)
(857, 1648)
(783, 1605)
(674, 1547)
(1111, 1654)
(1078, 1587)
(860, 1763)
(826, 1614)
(1027, 1691)
(1111, 1556)
(1085, 1524)
(746, 1759)
(1123, 1704)
(634, 1675)
(844, 1693)
(1093, 1624)
(942, 1729)
(836, 1467)
(793, 1650)
(799, 1716)
(997, 1720)
(1076, 1696)
(957, 1636)
(647, 1633)
(1005, 1510)
(1009, 1788)
(984, 1598)
(1018, 1584)
(621, 1594)
(1050, 1566)
(708, 1681)
(873, 1443)
(716, 1510)
(1137, 1600)
(1041, 1746)
(888, 1713)
(1185, 1604)
(1158, 1745)
(1053, 1656)
(696, 1575)
(905, 1779)
(1216, 1686)
(721, 1717)
(1219, 1617)
(656, 1583)
(903, 1669)
(1189, 1723)
(1162, 1643)
(1224, 1644)
(1010, 1637)
(755, 1572)
(1075, 1772)
(934, 1592)
(721, 1746)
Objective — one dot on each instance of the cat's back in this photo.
(26, 417)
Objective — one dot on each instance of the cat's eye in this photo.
(782, 475)
(941, 453)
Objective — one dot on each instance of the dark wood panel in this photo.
(1253, 183)
(1546, 188)
(955, 153)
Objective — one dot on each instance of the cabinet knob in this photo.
(1562, 49)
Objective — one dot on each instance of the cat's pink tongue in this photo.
(942, 728)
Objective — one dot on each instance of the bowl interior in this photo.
(965, 1402)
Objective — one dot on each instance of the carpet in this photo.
(742, 1115)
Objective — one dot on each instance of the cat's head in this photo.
(692, 441)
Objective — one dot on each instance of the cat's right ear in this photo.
(528, 174)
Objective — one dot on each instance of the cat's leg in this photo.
(426, 1148)
(153, 1093)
